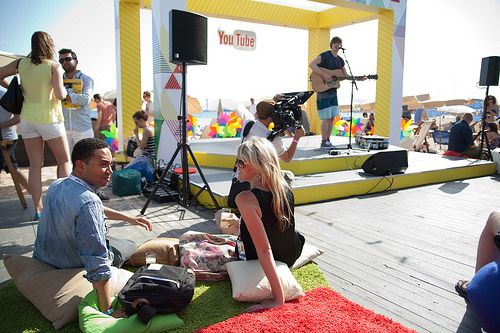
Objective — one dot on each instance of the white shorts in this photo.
(74, 137)
(46, 131)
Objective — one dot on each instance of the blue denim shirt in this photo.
(71, 230)
(79, 119)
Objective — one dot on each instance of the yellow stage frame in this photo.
(391, 16)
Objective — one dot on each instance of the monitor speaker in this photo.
(188, 38)
(489, 71)
(386, 163)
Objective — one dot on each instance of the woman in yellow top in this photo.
(41, 116)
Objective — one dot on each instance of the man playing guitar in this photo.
(326, 101)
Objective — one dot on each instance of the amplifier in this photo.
(374, 142)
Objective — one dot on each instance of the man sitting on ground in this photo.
(461, 141)
(72, 229)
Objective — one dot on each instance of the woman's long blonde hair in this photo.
(261, 154)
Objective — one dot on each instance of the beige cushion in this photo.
(250, 284)
(56, 293)
(166, 249)
(309, 252)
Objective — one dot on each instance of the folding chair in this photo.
(420, 140)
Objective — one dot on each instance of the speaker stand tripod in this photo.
(184, 148)
(484, 137)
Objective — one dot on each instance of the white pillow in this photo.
(309, 252)
(250, 284)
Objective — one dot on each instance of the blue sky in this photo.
(445, 41)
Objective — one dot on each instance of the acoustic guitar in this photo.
(319, 84)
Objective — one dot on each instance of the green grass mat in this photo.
(212, 303)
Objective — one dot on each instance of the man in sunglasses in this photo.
(80, 87)
(76, 109)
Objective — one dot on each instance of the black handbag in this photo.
(13, 98)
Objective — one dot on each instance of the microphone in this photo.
(341, 48)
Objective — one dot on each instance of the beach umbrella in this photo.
(457, 109)
(220, 110)
(433, 104)
(423, 97)
(455, 102)
(109, 95)
(6, 58)
(193, 106)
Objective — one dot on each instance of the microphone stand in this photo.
(353, 85)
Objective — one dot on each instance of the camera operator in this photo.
(261, 129)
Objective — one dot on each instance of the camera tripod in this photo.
(184, 148)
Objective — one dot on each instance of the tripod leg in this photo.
(216, 204)
(164, 173)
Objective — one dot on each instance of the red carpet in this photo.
(320, 310)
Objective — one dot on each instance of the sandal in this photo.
(461, 288)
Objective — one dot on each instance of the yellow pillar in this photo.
(384, 71)
(130, 63)
(319, 41)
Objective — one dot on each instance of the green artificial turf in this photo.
(212, 303)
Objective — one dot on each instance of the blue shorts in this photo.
(328, 108)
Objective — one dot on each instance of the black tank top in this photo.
(286, 245)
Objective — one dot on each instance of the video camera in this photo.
(287, 112)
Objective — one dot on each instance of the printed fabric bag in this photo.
(207, 254)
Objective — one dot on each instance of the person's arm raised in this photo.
(250, 211)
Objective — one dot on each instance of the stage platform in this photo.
(320, 176)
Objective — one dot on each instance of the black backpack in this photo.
(151, 291)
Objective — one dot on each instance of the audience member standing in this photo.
(76, 105)
(8, 122)
(252, 107)
(148, 106)
(41, 117)
(106, 115)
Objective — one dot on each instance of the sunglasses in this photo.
(62, 60)
(240, 164)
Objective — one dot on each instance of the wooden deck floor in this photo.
(398, 253)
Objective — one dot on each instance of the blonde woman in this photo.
(267, 214)
(41, 117)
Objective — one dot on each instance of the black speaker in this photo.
(489, 71)
(188, 38)
(386, 163)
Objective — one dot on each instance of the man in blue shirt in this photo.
(76, 109)
(72, 229)
(461, 140)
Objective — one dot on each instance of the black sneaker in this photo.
(102, 196)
